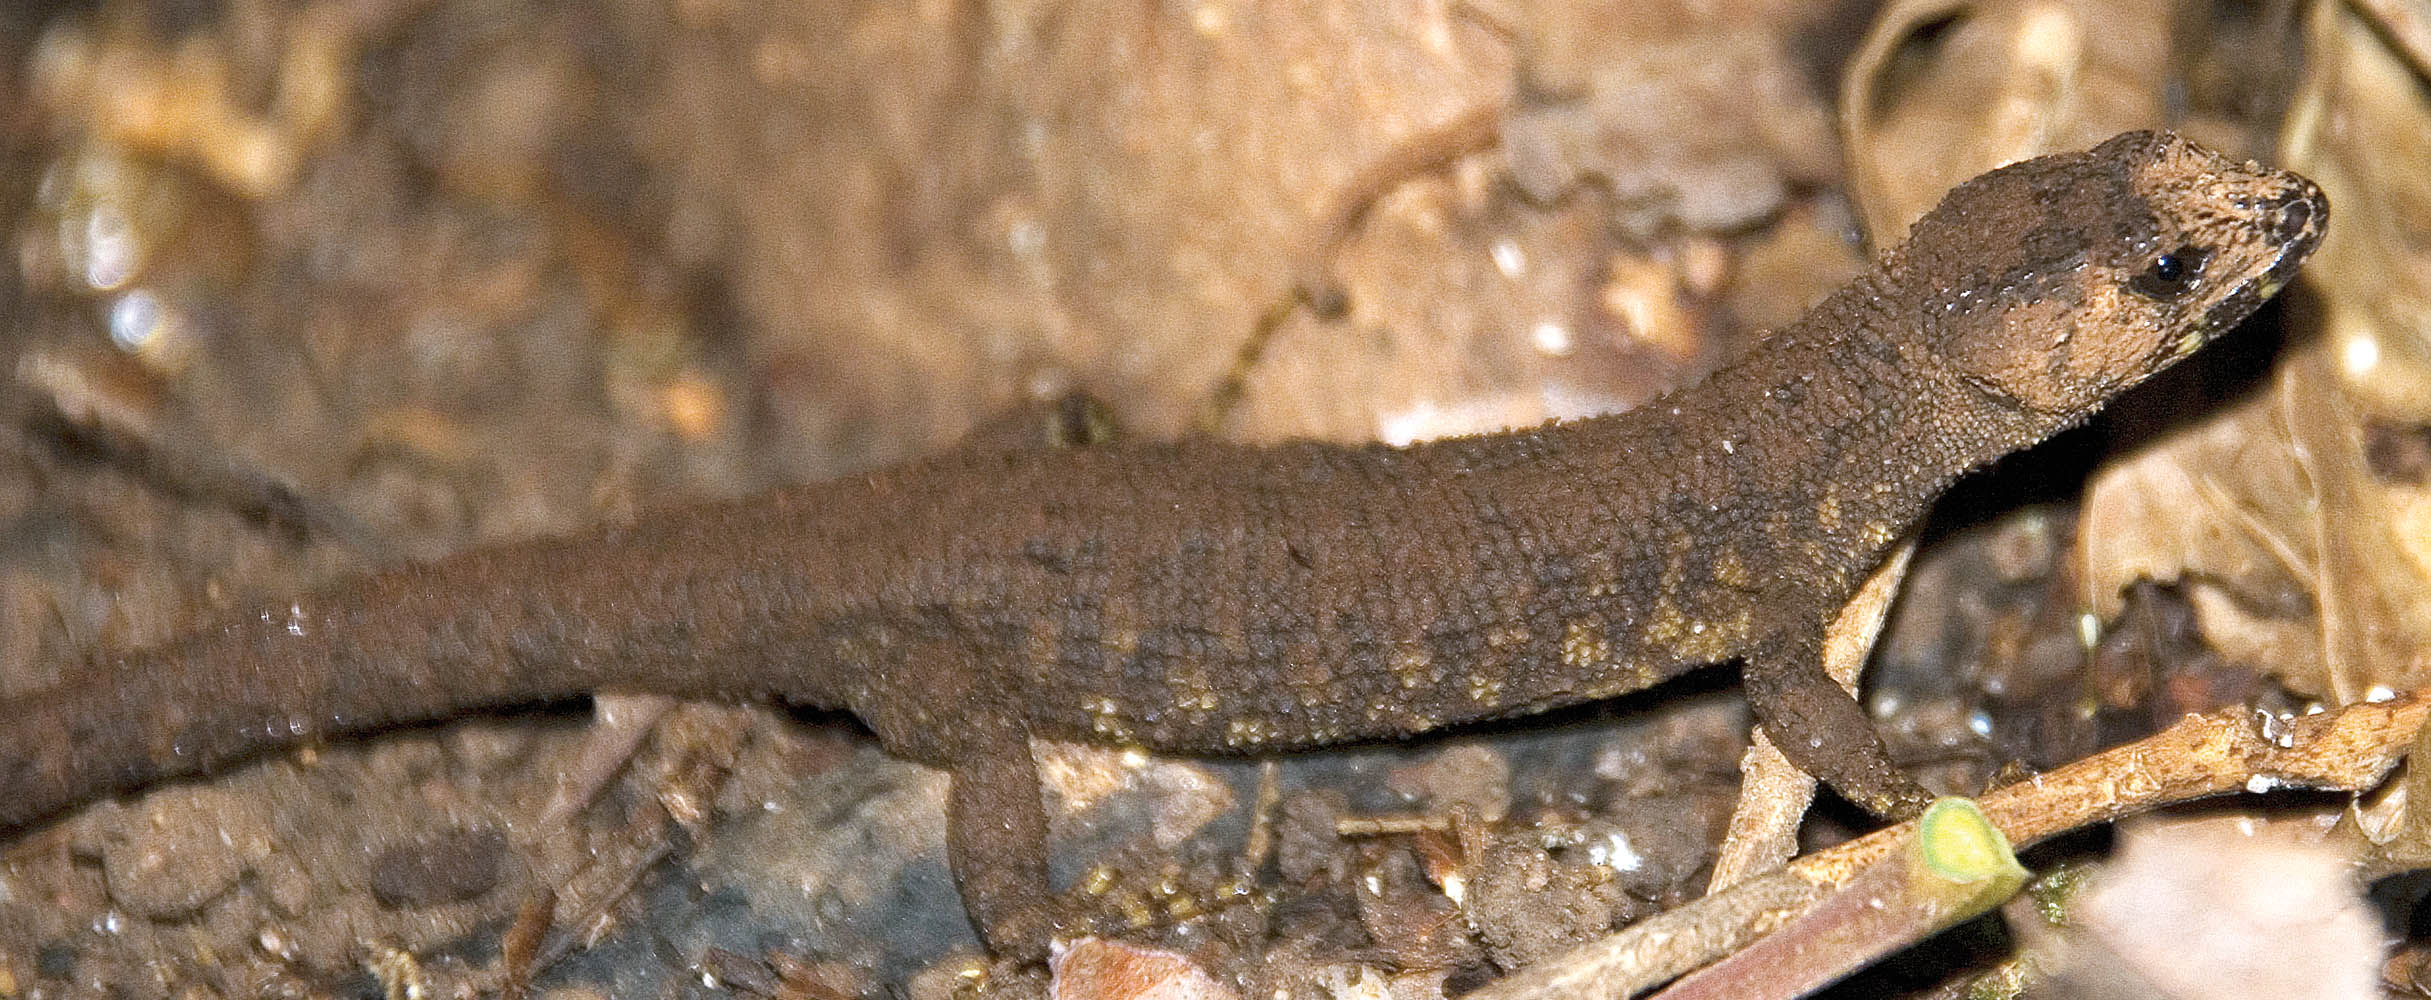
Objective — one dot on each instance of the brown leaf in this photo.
(2304, 560)
(1100, 969)
(1944, 90)
(2177, 915)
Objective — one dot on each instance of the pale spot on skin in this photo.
(1192, 692)
(1485, 689)
(1246, 733)
(1664, 626)
(1635, 675)
(1107, 721)
(1714, 641)
(1702, 643)
(1584, 646)
(1730, 571)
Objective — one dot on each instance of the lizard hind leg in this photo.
(996, 843)
(1820, 728)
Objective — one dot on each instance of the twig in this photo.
(1955, 867)
(1311, 281)
(2349, 749)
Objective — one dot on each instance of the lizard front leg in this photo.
(996, 842)
(1820, 728)
(996, 824)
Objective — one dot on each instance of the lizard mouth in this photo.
(2293, 220)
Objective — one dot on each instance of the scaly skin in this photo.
(1205, 597)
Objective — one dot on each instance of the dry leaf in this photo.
(2177, 915)
(2302, 559)
(1101, 969)
(1945, 89)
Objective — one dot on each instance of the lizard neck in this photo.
(1833, 436)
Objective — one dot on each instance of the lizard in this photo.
(1207, 597)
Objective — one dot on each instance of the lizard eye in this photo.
(2171, 274)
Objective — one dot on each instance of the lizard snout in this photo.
(2295, 216)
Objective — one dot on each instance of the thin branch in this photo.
(1955, 867)
(2349, 749)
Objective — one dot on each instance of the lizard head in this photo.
(2060, 281)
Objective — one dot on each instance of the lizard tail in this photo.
(410, 645)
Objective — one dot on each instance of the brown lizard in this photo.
(1211, 598)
